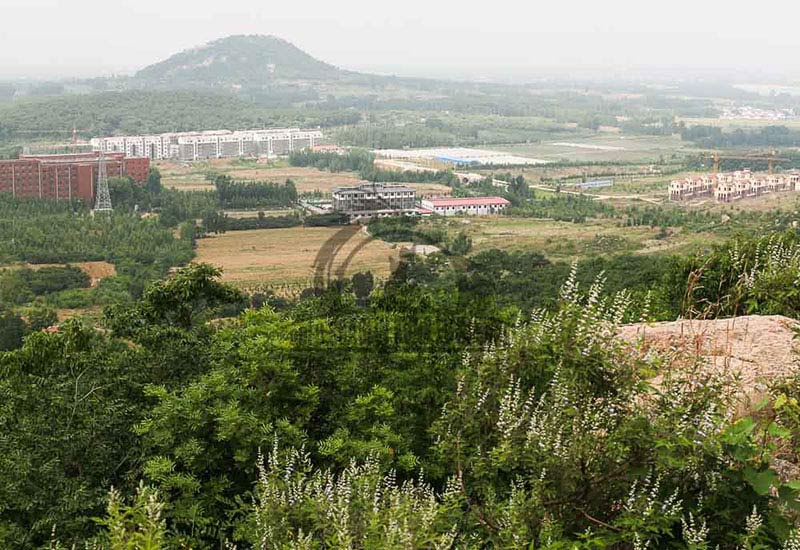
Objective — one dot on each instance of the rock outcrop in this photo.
(753, 351)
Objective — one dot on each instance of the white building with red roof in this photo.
(473, 206)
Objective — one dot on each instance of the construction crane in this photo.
(772, 158)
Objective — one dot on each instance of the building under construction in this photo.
(731, 186)
(66, 177)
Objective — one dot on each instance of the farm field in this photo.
(278, 257)
(192, 177)
(289, 259)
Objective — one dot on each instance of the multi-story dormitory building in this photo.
(729, 186)
(65, 177)
(188, 146)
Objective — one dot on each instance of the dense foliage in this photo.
(216, 222)
(416, 419)
(563, 207)
(45, 232)
(252, 194)
(715, 137)
(49, 232)
(19, 286)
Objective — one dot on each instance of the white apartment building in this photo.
(188, 146)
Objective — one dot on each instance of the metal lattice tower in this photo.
(102, 201)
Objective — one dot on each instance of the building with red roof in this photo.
(473, 206)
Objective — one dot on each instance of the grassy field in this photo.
(571, 241)
(561, 240)
(602, 148)
(295, 256)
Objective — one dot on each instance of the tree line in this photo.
(252, 194)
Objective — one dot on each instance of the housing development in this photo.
(729, 186)
(213, 144)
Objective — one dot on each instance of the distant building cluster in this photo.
(379, 200)
(730, 186)
(214, 144)
(756, 113)
(458, 156)
(66, 177)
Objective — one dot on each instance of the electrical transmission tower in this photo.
(102, 202)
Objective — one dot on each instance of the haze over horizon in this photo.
(418, 38)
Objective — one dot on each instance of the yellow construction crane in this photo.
(772, 158)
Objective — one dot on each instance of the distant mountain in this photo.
(248, 61)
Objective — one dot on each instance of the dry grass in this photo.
(276, 257)
(305, 179)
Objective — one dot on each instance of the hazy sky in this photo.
(91, 37)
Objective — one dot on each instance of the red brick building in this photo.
(66, 177)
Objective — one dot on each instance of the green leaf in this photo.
(761, 481)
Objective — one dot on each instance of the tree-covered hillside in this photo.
(241, 60)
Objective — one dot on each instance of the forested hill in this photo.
(241, 60)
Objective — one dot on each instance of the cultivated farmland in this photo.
(293, 256)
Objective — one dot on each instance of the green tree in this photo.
(41, 317)
(12, 330)
(154, 181)
(69, 401)
(184, 301)
(363, 283)
(461, 244)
